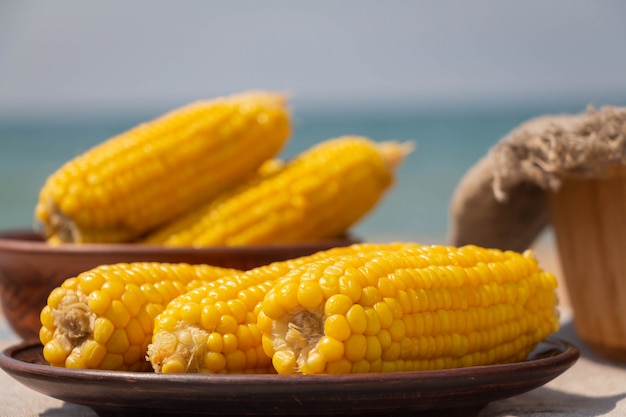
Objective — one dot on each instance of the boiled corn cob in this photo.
(160, 170)
(431, 307)
(320, 194)
(103, 318)
(194, 218)
(212, 329)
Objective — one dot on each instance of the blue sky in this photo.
(71, 56)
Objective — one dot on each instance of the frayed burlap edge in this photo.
(501, 201)
(544, 150)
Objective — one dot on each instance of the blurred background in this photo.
(454, 76)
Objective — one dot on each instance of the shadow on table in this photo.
(69, 410)
(550, 402)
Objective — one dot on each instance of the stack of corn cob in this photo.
(362, 308)
(207, 174)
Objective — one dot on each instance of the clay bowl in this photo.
(31, 268)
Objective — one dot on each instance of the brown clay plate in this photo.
(454, 392)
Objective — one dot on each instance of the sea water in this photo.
(448, 142)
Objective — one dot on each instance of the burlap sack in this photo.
(501, 201)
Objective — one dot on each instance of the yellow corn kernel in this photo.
(467, 317)
(184, 226)
(228, 319)
(304, 200)
(90, 322)
(123, 188)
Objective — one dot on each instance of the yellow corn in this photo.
(422, 308)
(320, 194)
(159, 170)
(103, 318)
(212, 329)
(194, 218)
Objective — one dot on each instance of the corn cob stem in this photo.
(417, 309)
(103, 318)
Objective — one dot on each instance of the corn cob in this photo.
(212, 329)
(159, 170)
(320, 194)
(426, 308)
(103, 318)
(194, 218)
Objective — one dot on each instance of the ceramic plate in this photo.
(454, 392)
